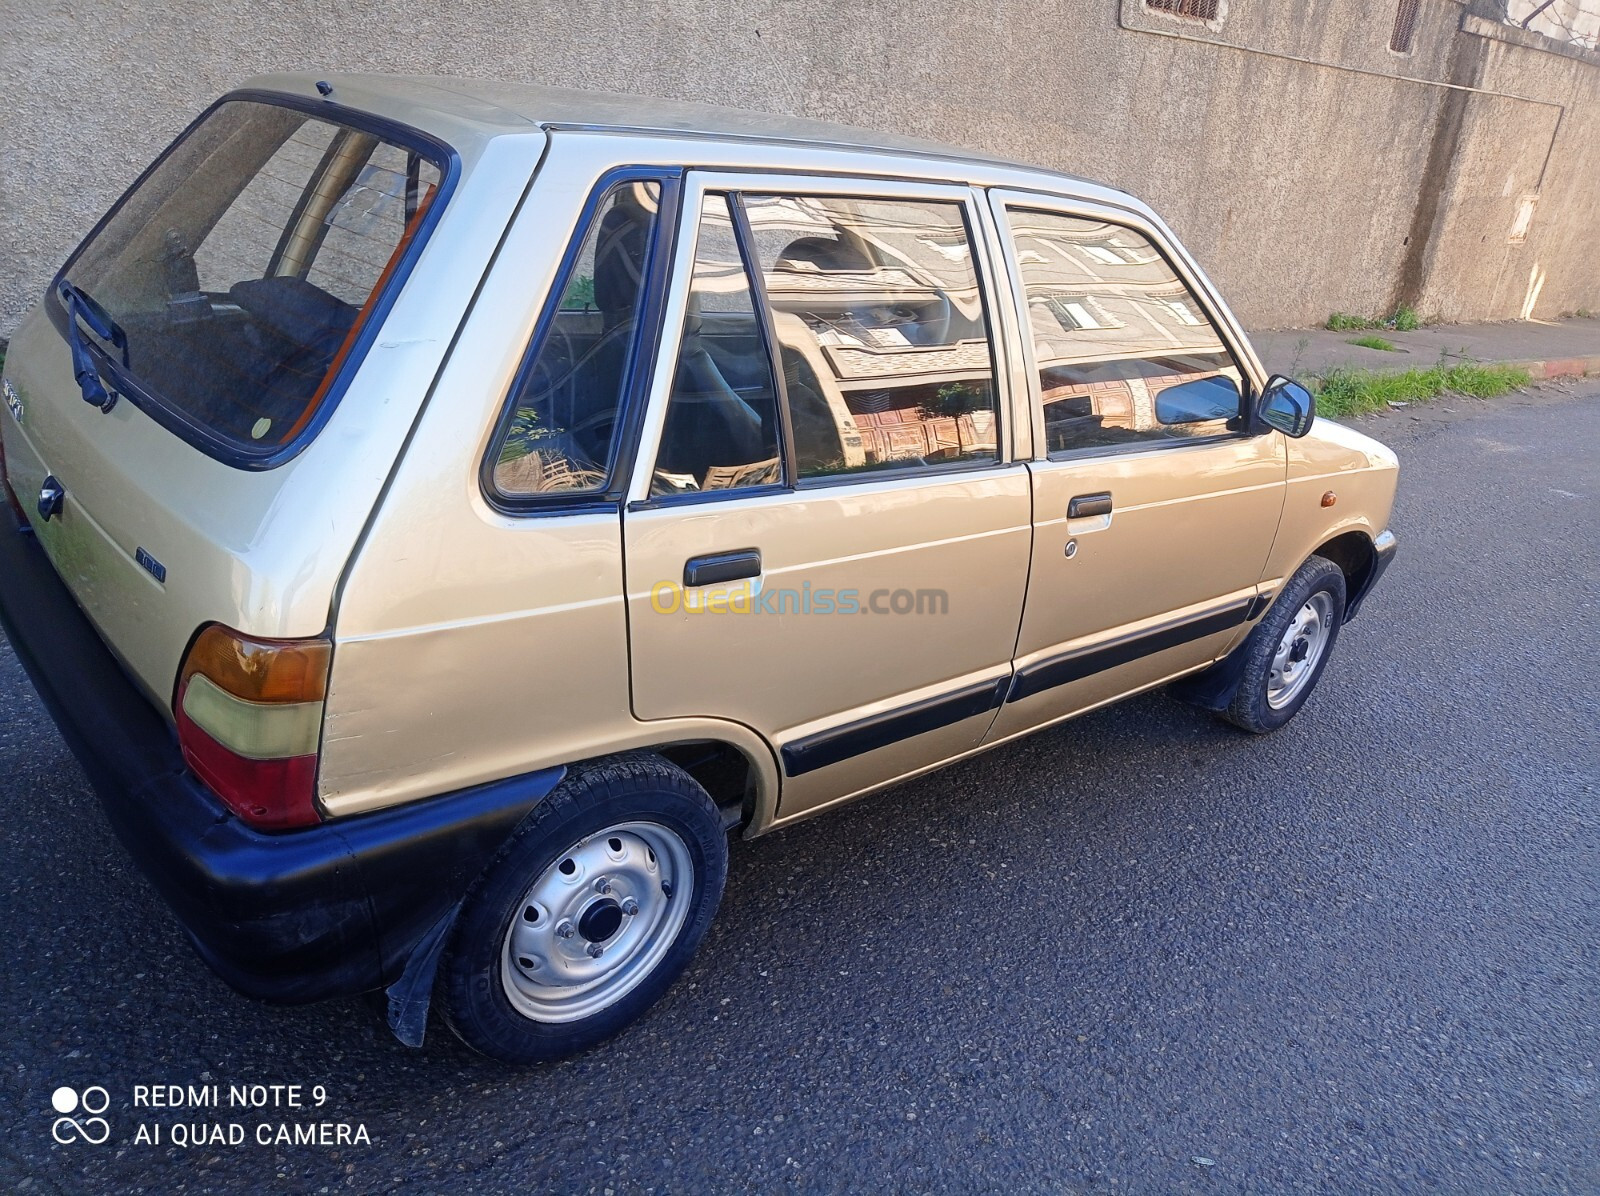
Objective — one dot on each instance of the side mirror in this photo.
(1287, 406)
(1200, 401)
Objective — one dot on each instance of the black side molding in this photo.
(841, 743)
(722, 566)
(1047, 674)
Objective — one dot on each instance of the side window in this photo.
(721, 429)
(1125, 353)
(564, 421)
(881, 331)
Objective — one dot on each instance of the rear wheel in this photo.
(1286, 652)
(588, 914)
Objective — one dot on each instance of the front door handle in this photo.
(722, 566)
(1085, 506)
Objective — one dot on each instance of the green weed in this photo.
(1404, 320)
(1356, 392)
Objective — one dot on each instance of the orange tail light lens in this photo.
(250, 722)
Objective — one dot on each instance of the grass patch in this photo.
(1356, 392)
(1404, 320)
(1372, 342)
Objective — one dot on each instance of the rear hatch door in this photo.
(160, 401)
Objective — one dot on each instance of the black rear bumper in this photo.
(292, 917)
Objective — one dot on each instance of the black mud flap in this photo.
(411, 995)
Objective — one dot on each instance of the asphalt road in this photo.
(1140, 953)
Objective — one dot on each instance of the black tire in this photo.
(629, 789)
(1250, 708)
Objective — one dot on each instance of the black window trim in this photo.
(197, 434)
(643, 350)
(769, 334)
(1012, 202)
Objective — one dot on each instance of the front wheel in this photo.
(588, 914)
(1286, 653)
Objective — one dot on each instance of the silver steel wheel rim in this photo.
(1300, 650)
(597, 922)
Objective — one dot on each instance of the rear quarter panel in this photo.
(472, 645)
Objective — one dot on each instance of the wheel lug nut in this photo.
(602, 886)
(595, 950)
(565, 931)
(630, 906)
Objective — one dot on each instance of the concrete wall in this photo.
(1307, 165)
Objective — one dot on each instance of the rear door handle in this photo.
(1085, 506)
(722, 566)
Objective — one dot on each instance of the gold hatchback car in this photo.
(439, 511)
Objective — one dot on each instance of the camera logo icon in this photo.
(92, 1129)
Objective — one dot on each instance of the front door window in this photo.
(1115, 334)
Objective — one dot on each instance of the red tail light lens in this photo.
(250, 723)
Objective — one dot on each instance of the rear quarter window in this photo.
(244, 267)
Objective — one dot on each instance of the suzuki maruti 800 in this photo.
(438, 512)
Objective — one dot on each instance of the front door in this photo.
(827, 539)
(1154, 509)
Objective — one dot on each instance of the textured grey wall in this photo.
(1280, 145)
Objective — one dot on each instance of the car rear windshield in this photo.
(227, 292)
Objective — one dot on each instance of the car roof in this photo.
(491, 103)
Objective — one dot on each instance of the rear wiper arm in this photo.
(80, 306)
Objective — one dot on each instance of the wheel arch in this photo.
(732, 773)
(1357, 556)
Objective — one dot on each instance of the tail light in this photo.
(250, 722)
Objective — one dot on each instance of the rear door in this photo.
(1154, 509)
(828, 538)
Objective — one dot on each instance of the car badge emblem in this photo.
(151, 566)
(13, 401)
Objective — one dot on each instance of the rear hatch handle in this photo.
(80, 306)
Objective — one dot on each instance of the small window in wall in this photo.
(1199, 10)
(1405, 26)
(1125, 353)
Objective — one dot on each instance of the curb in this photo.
(1565, 367)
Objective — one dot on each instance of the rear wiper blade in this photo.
(80, 306)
